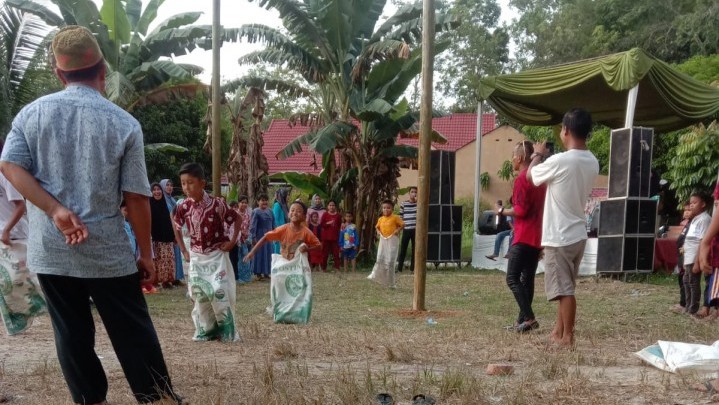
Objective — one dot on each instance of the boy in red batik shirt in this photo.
(211, 282)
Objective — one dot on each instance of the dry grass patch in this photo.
(364, 340)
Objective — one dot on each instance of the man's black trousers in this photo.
(122, 307)
(407, 236)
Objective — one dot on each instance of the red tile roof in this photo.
(458, 129)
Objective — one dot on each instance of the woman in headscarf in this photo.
(163, 237)
(316, 206)
(280, 211)
(167, 188)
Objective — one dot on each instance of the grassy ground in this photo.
(363, 340)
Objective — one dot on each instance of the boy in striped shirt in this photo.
(408, 213)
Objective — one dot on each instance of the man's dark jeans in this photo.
(521, 268)
(407, 236)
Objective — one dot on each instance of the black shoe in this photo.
(526, 326)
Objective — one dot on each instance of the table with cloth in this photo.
(665, 254)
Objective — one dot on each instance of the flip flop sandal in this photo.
(491, 258)
(421, 399)
(384, 399)
(706, 387)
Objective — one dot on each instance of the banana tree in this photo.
(368, 145)
(24, 74)
(137, 59)
(361, 73)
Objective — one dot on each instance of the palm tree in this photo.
(361, 73)
(138, 60)
(24, 74)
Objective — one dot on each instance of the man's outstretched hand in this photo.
(70, 225)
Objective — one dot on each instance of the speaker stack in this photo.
(444, 239)
(627, 219)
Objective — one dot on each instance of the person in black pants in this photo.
(408, 213)
(75, 172)
(235, 252)
(681, 306)
(527, 209)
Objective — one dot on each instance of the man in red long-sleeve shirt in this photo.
(527, 209)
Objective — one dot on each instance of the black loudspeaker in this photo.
(631, 253)
(444, 247)
(445, 218)
(630, 160)
(488, 223)
(627, 216)
(441, 177)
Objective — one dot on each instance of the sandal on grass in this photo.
(706, 386)
(384, 399)
(421, 399)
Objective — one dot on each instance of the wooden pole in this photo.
(216, 139)
(420, 252)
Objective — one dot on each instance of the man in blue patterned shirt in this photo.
(74, 155)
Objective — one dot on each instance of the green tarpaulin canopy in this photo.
(667, 100)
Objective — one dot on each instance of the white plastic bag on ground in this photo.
(20, 296)
(678, 357)
(291, 289)
(383, 270)
(212, 288)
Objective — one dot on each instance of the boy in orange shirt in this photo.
(389, 225)
(291, 236)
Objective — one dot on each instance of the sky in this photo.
(234, 13)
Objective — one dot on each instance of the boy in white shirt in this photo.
(698, 203)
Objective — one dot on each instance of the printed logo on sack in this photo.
(220, 294)
(295, 284)
(201, 289)
(5, 281)
(204, 269)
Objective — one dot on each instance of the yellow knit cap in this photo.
(75, 48)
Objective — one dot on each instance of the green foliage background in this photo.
(179, 122)
(696, 161)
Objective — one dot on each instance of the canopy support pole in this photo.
(631, 106)
(477, 166)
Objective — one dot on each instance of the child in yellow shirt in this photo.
(389, 225)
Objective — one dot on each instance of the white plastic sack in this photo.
(678, 357)
(212, 288)
(383, 270)
(291, 289)
(20, 296)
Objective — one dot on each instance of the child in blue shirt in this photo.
(349, 241)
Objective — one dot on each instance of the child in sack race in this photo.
(290, 236)
(291, 287)
(211, 282)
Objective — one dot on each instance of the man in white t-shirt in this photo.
(13, 220)
(569, 177)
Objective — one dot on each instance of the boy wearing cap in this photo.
(77, 244)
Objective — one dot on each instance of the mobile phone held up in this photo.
(550, 148)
